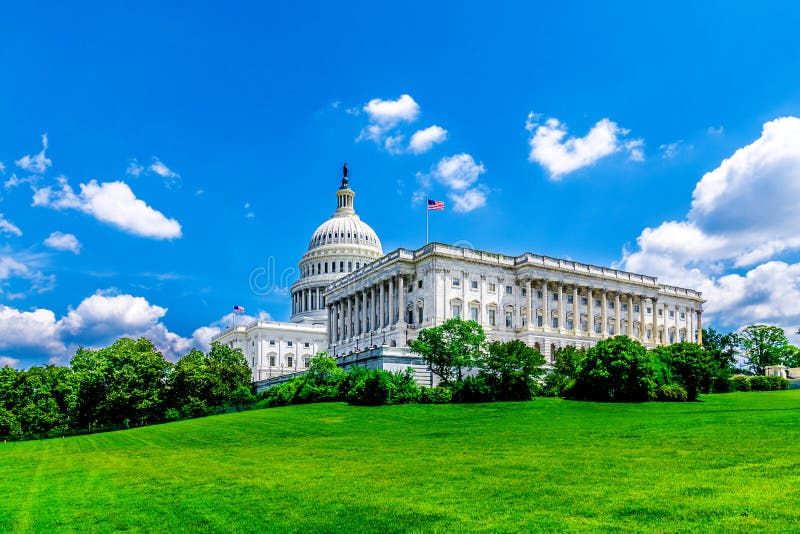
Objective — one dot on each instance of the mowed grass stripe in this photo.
(728, 463)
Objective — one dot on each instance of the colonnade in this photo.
(308, 299)
(368, 309)
(614, 326)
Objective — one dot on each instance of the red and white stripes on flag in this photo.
(435, 205)
(238, 309)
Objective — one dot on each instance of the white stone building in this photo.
(363, 307)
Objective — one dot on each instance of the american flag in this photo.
(238, 309)
(435, 205)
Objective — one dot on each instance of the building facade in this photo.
(364, 307)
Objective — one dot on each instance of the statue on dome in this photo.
(344, 176)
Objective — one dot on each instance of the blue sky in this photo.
(188, 145)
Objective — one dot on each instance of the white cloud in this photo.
(384, 115)
(35, 329)
(2, 167)
(107, 312)
(113, 203)
(202, 336)
(394, 144)
(458, 171)
(423, 140)
(670, 150)
(38, 163)
(171, 178)
(716, 131)
(6, 361)
(560, 155)
(468, 200)
(62, 241)
(743, 214)
(134, 169)
(9, 228)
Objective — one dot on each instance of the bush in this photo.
(671, 393)
(472, 389)
(767, 383)
(617, 369)
(172, 414)
(740, 383)
(281, 395)
(375, 387)
(435, 395)
(721, 384)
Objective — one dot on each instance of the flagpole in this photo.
(427, 213)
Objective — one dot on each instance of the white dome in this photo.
(346, 230)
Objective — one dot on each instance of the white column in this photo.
(364, 311)
(603, 314)
(561, 307)
(373, 312)
(381, 322)
(617, 314)
(630, 316)
(391, 300)
(589, 311)
(655, 321)
(401, 301)
(642, 325)
(699, 327)
(690, 337)
(576, 312)
(349, 318)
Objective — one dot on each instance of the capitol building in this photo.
(363, 307)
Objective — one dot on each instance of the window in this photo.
(358, 264)
(636, 308)
(539, 321)
(555, 296)
(624, 307)
(474, 284)
(306, 362)
(649, 334)
(288, 343)
(341, 266)
(319, 267)
(457, 310)
(597, 303)
(598, 328)
(349, 266)
(585, 300)
(492, 287)
(555, 322)
(271, 342)
(306, 344)
(584, 326)
(272, 361)
(509, 290)
(326, 267)
(649, 310)
(671, 314)
(660, 313)
(254, 362)
(456, 281)
(539, 294)
(333, 266)
(611, 305)
(492, 318)
(419, 284)
(289, 361)
(524, 292)
(569, 299)
(611, 329)
(509, 319)
(570, 324)
(473, 313)
(683, 315)
(419, 315)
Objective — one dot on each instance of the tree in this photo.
(200, 381)
(512, 369)
(450, 348)
(763, 345)
(721, 347)
(616, 369)
(690, 365)
(566, 366)
(791, 356)
(125, 381)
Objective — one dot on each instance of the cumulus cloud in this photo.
(561, 155)
(37, 329)
(423, 140)
(459, 171)
(62, 241)
(38, 163)
(9, 228)
(384, 115)
(471, 199)
(171, 178)
(743, 214)
(110, 202)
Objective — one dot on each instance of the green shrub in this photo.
(721, 384)
(374, 387)
(778, 383)
(472, 389)
(671, 393)
(740, 383)
(435, 395)
(172, 414)
(767, 383)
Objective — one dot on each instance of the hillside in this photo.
(728, 463)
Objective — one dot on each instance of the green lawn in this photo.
(728, 463)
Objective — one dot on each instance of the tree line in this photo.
(128, 383)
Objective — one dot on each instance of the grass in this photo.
(729, 463)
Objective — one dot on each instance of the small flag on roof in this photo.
(238, 309)
(435, 205)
